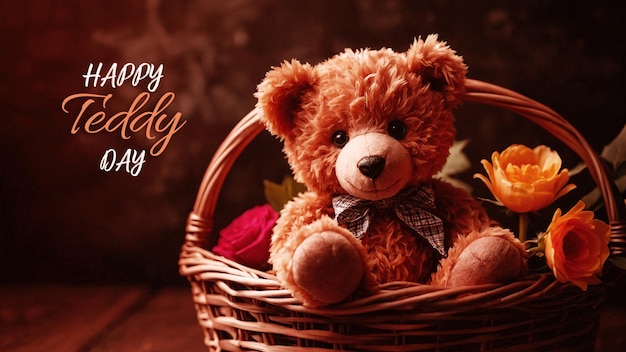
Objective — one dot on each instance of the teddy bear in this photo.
(366, 131)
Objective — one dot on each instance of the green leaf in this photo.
(456, 163)
(277, 195)
(618, 261)
(615, 152)
(620, 170)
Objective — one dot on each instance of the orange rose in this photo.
(525, 179)
(576, 246)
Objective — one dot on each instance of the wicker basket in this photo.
(242, 309)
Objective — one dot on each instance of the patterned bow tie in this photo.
(413, 207)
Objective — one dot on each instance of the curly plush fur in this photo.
(368, 93)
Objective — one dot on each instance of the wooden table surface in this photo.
(134, 318)
(98, 318)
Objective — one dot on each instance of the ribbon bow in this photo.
(413, 207)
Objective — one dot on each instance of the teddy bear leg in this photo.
(492, 256)
(327, 264)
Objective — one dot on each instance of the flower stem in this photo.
(523, 227)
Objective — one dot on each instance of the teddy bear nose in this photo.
(372, 166)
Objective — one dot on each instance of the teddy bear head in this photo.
(369, 122)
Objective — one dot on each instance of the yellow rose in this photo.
(525, 179)
(576, 246)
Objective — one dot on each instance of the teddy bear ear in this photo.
(438, 65)
(280, 95)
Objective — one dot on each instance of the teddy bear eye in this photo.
(340, 138)
(397, 129)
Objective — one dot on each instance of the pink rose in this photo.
(246, 240)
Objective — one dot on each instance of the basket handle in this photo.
(200, 221)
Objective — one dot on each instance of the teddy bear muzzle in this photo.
(373, 166)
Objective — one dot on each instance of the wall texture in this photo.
(65, 220)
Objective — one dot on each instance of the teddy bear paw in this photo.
(488, 259)
(328, 267)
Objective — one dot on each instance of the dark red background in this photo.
(64, 220)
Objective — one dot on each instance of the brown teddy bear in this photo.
(365, 131)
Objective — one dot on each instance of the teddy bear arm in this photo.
(320, 262)
(301, 211)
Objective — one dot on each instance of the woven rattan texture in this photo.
(242, 309)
